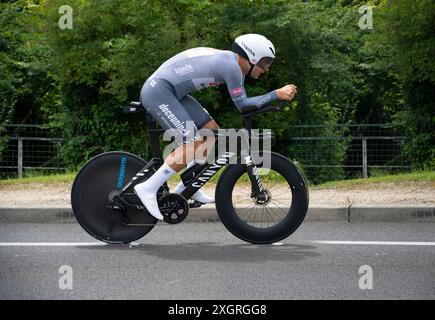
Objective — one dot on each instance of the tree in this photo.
(409, 26)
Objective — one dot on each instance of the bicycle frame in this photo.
(204, 172)
(207, 171)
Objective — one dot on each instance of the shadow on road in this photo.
(209, 251)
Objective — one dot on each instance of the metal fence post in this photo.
(364, 157)
(20, 158)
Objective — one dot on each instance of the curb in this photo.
(314, 214)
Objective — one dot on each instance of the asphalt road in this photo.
(204, 261)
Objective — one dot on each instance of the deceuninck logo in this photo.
(164, 108)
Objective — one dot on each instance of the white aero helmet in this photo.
(257, 49)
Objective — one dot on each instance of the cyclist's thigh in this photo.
(159, 100)
(197, 112)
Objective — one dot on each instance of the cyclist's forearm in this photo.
(245, 104)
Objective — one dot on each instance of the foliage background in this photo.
(77, 79)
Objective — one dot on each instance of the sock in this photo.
(163, 174)
(147, 191)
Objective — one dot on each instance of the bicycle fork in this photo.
(258, 192)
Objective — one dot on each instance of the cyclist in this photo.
(165, 95)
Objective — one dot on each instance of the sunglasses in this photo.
(264, 62)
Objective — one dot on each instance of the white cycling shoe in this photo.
(202, 197)
(197, 196)
(147, 191)
(149, 199)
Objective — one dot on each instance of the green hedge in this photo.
(77, 79)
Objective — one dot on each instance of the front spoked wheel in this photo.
(262, 220)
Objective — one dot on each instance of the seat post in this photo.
(247, 123)
(154, 136)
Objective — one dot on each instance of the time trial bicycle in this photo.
(258, 201)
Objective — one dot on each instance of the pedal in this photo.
(195, 204)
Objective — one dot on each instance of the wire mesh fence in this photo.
(348, 151)
(324, 152)
(26, 149)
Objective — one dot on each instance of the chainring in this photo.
(174, 207)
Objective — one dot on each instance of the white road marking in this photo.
(102, 244)
(377, 243)
(277, 243)
(52, 244)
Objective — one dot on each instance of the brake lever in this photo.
(267, 108)
(282, 104)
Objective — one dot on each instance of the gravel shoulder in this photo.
(416, 194)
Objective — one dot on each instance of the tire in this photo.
(90, 193)
(239, 219)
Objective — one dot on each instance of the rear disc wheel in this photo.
(96, 180)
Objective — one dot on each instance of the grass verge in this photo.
(425, 177)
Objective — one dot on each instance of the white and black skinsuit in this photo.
(165, 94)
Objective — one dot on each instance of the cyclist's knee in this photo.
(210, 125)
